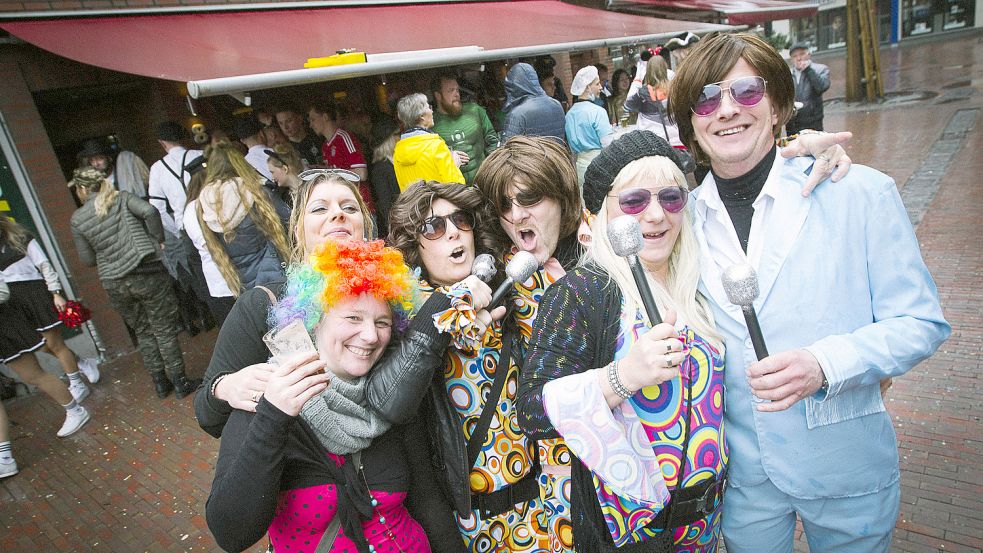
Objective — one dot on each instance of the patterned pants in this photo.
(522, 530)
(555, 493)
(146, 302)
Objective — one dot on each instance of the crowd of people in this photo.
(426, 393)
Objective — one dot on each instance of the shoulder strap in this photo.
(179, 177)
(268, 293)
(480, 431)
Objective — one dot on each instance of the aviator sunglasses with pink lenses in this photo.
(635, 200)
(746, 91)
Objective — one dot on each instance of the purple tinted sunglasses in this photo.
(635, 200)
(746, 91)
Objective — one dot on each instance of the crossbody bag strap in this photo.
(331, 532)
(480, 431)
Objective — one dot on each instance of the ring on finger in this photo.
(669, 363)
(668, 348)
(256, 396)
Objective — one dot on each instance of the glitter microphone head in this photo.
(484, 267)
(521, 266)
(625, 235)
(740, 284)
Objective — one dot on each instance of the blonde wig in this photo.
(679, 292)
(299, 248)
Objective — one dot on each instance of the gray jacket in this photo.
(528, 110)
(117, 243)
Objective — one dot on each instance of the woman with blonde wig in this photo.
(638, 404)
(244, 228)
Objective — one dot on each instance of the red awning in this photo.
(737, 12)
(196, 46)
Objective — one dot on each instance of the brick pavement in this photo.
(136, 478)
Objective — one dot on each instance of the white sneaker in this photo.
(90, 368)
(8, 469)
(74, 420)
(79, 391)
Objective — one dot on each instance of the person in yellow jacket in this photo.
(422, 154)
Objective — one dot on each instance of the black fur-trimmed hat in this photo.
(627, 148)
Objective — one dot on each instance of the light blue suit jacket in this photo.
(843, 277)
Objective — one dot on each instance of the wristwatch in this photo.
(825, 387)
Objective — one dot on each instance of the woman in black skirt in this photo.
(36, 290)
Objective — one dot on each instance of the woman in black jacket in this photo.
(456, 351)
(313, 466)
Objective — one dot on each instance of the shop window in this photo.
(803, 31)
(957, 14)
(919, 17)
(832, 29)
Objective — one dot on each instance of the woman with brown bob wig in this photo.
(451, 355)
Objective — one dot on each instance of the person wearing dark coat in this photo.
(528, 110)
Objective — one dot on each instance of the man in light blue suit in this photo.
(845, 301)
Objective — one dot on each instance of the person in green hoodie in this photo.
(465, 127)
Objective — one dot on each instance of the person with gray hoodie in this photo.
(528, 110)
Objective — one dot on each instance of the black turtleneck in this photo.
(739, 193)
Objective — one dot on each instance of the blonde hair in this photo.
(657, 73)
(298, 249)
(87, 179)
(386, 148)
(226, 163)
(680, 289)
(287, 156)
(13, 234)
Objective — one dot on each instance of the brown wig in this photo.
(412, 207)
(539, 165)
(710, 61)
(298, 248)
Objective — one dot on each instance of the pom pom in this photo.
(74, 314)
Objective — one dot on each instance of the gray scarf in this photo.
(341, 418)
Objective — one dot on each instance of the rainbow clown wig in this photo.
(344, 269)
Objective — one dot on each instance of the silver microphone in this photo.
(625, 235)
(519, 269)
(741, 286)
(484, 267)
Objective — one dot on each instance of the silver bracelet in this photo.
(615, 381)
(215, 384)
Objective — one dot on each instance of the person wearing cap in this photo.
(638, 404)
(677, 48)
(587, 126)
(121, 235)
(126, 172)
(811, 81)
(250, 133)
(845, 301)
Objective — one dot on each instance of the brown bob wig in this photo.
(709, 62)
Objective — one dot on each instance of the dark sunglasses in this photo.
(746, 91)
(524, 198)
(436, 226)
(635, 200)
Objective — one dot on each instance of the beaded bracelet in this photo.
(615, 381)
(215, 385)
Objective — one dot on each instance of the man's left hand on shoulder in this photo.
(785, 378)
